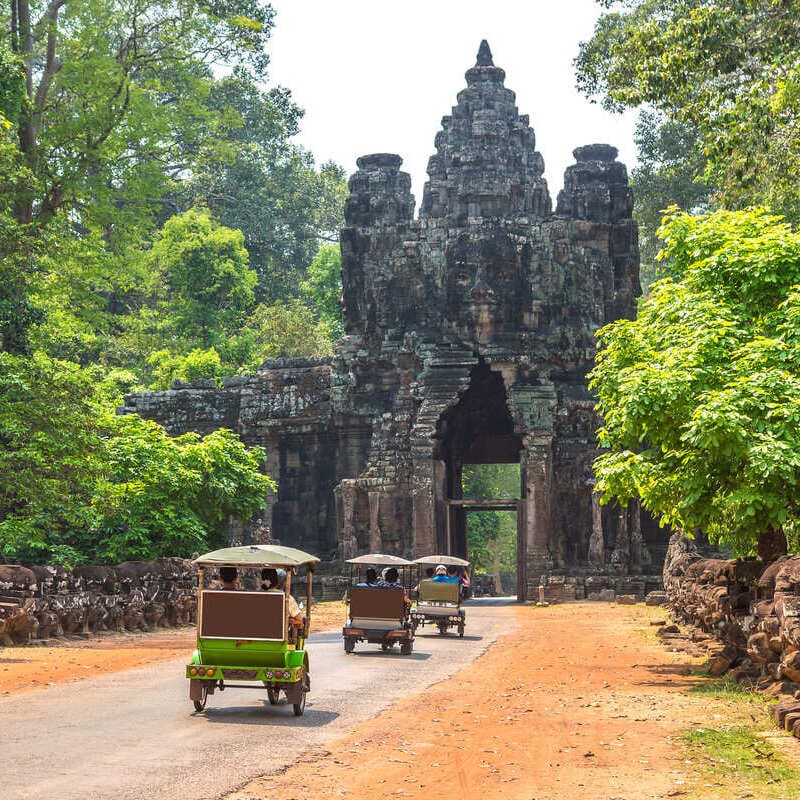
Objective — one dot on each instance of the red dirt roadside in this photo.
(26, 668)
(580, 701)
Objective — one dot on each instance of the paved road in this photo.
(134, 735)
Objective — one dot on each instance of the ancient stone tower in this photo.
(469, 333)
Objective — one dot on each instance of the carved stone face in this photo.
(486, 288)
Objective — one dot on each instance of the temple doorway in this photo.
(478, 458)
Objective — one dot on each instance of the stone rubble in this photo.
(745, 613)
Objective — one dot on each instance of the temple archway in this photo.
(478, 429)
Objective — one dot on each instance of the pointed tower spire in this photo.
(484, 55)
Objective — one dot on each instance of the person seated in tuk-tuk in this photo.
(228, 579)
(274, 580)
(443, 575)
(466, 584)
(391, 580)
(370, 579)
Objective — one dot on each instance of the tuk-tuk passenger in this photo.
(228, 579)
(466, 584)
(370, 579)
(442, 574)
(391, 580)
(274, 580)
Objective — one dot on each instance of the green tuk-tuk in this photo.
(245, 636)
(439, 603)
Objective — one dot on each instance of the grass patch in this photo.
(727, 689)
(741, 760)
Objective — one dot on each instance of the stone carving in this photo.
(469, 333)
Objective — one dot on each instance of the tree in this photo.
(283, 330)
(165, 367)
(111, 90)
(168, 496)
(700, 394)
(51, 456)
(669, 173)
(257, 181)
(726, 68)
(83, 484)
(17, 248)
(322, 289)
(209, 284)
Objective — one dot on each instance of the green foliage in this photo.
(492, 535)
(727, 69)
(114, 95)
(12, 85)
(195, 365)
(81, 484)
(283, 330)
(205, 268)
(52, 456)
(701, 393)
(119, 121)
(170, 496)
(19, 249)
(257, 181)
(322, 289)
(669, 173)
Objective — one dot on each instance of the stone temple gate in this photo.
(469, 333)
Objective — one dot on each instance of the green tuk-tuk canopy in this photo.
(442, 559)
(380, 560)
(256, 555)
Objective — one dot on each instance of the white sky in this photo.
(378, 75)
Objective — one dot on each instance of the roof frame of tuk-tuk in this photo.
(377, 560)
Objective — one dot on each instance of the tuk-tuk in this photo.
(438, 602)
(378, 614)
(245, 636)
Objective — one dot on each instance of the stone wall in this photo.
(747, 611)
(43, 602)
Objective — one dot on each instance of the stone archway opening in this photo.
(478, 430)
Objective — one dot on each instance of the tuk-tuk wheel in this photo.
(442, 627)
(200, 704)
(406, 648)
(460, 630)
(300, 707)
(273, 695)
(386, 646)
(349, 644)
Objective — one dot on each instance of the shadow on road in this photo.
(266, 715)
(491, 601)
(451, 636)
(686, 675)
(390, 654)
